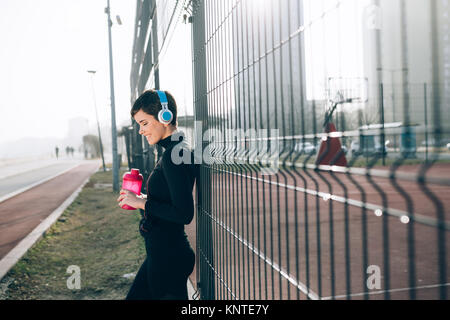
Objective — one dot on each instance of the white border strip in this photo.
(8, 261)
(15, 193)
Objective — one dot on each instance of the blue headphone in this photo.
(165, 116)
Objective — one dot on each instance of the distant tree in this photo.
(92, 145)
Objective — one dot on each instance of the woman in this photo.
(168, 205)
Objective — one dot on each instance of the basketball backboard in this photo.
(347, 90)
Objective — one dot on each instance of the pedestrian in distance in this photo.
(168, 205)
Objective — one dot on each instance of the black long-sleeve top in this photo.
(170, 203)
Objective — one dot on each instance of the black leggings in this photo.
(163, 276)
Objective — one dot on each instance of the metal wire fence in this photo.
(325, 157)
(357, 212)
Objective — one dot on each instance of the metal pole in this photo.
(378, 54)
(156, 73)
(98, 124)
(383, 137)
(426, 121)
(405, 65)
(393, 107)
(406, 135)
(113, 108)
(128, 131)
(436, 96)
(436, 72)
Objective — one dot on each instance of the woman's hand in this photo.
(131, 199)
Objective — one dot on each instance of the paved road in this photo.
(19, 176)
(20, 214)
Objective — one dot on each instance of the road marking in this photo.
(29, 169)
(384, 291)
(298, 284)
(14, 193)
(416, 217)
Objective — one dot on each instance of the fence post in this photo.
(205, 249)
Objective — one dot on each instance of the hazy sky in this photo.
(46, 48)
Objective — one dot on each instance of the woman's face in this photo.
(150, 128)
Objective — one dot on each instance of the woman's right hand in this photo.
(131, 199)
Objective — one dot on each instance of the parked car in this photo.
(354, 148)
(370, 147)
(432, 143)
(307, 148)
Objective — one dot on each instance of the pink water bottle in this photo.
(132, 181)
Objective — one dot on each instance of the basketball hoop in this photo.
(347, 90)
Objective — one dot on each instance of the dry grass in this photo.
(92, 233)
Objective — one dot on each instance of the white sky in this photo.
(46, 48)
(327, 52)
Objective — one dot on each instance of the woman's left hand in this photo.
(131, 199)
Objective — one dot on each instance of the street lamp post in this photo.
(96, 115)
(113, 107)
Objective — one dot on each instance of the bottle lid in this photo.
(135, 172)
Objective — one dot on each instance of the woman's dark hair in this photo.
(150, 104)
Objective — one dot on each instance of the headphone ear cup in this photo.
(165, 116)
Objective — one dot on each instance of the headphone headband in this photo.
(163, 98)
